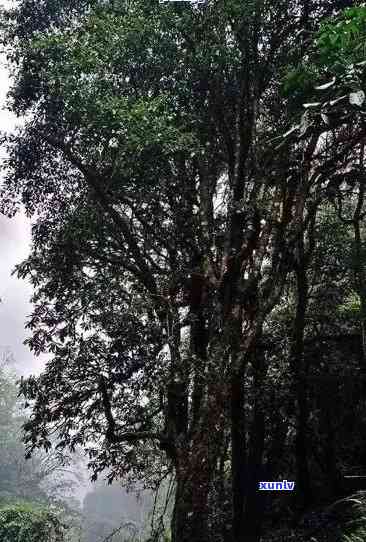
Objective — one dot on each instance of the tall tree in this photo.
(169, 214)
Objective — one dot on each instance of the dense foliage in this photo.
(195, 175)
(26, 523)
(36, 501)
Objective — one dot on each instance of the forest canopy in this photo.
(195, 178)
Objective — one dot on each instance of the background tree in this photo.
(107, 508)
(27, 523)
(35, 494)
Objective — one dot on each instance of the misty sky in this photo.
(14, 247)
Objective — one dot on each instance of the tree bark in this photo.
(238, 451)
(254, 499)
(190, 514)
(299, 367)
(359, 262)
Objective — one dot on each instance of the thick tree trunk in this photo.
(254, 500)
(198, 449)
(190, 514)
(195, 471)
(299, 372)
(247, 465)
(278, 429)
(238, 452)
(359, 265)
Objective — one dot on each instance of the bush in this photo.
(27, 522)
(351, 515)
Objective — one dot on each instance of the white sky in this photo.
(14, 247)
